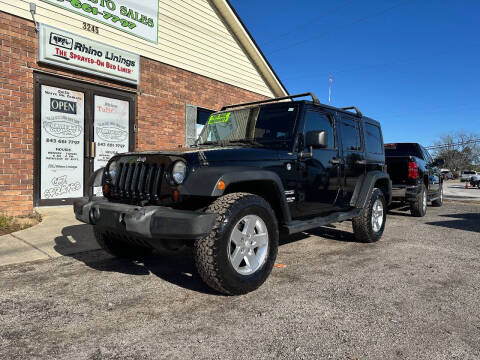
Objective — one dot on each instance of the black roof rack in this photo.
(314, 98)
(359, 113)
(312, 95)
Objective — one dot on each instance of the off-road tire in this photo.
(119, 248)
(439, 202)
(211, 251)
(416, 208)
(362, 224)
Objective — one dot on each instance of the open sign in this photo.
(63, 106)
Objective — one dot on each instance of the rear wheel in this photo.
(119, 248)
(419, 207)
(239, 253)
(439, 202)
(369, 226)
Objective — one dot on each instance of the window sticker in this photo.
(62, 143)
(219, 118)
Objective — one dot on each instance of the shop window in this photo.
(195, 119)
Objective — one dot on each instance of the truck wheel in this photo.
(369, 225)
(419, 207)
(238, 254)
(119, 248)
(439, 201)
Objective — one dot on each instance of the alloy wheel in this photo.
(248, 245)
(377, 215)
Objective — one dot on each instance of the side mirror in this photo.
(317, 139)
(439, 162)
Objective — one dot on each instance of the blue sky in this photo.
(412, 65)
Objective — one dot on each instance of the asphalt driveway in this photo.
(415, 294)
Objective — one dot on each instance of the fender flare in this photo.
(364, 188)
(204, 181)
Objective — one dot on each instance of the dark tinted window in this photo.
(350, 133)
(403, 149)
(316, 121)
(276, 122)
(373, 139)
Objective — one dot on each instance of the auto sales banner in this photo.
(139, 18)
(62, 143)
(64, 49)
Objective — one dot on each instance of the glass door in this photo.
(62, 133)
(78, 128)
(111, 123)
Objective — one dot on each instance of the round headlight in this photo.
(112, 170)
(179, 172)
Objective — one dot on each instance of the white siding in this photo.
(191, 36)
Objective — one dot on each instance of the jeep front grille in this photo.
(138, 181)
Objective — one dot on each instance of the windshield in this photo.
(267, 124)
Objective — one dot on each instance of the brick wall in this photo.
(161, 105)
(163, 92)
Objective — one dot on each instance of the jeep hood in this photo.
(214, 154)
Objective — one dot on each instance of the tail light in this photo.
(412, 170)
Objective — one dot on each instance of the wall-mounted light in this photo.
(33, 10)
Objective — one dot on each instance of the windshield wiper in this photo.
(245, 141)
(211, 143)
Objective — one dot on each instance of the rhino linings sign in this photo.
(138, 18)
(64, 49)
(62, 143)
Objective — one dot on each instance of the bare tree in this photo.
(459, 150)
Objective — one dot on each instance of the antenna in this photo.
(330, 81)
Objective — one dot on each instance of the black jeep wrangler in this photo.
(257, 169)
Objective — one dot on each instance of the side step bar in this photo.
(297, 226)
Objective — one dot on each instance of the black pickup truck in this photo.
(257, 169)
(416, 177)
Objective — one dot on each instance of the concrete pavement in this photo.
(412, 295)
(455, 190)
(57, 235)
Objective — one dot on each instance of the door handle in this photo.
(361, 162)
(335, 161)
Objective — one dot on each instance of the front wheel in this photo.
(240, 251)
(369, 225)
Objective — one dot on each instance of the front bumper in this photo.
(149, 222)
